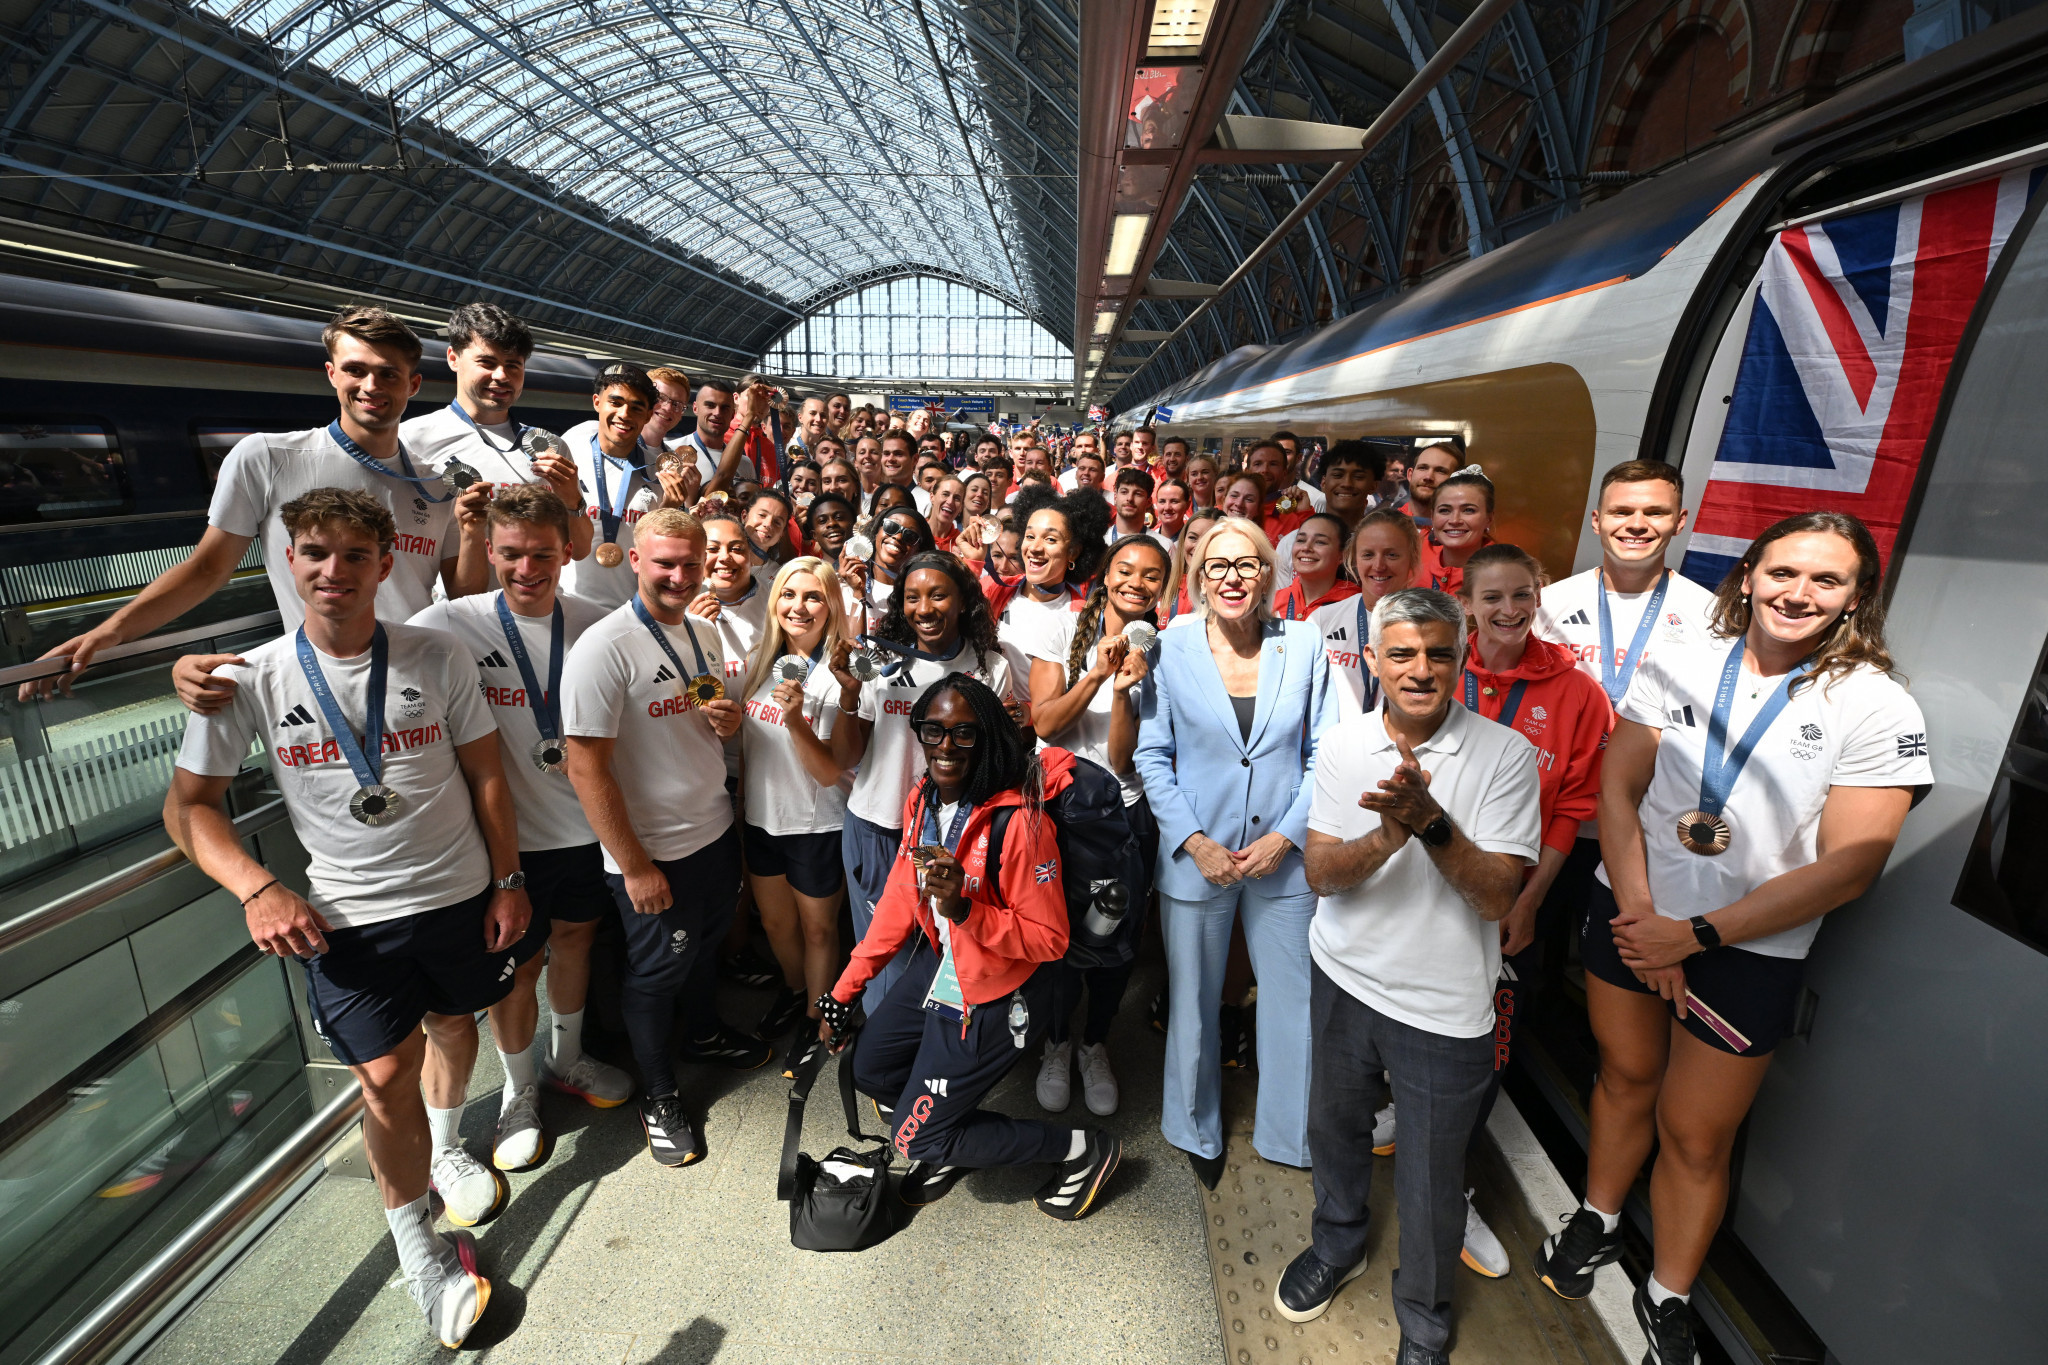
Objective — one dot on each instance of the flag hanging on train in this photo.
(1854, 327)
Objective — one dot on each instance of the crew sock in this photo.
(424, 1254)
(1658, 1293)
(565, 1040)
(445, 1125)
(1077, 1144)
(1608, 1221)
(519, 1071)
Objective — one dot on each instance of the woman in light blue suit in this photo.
(1227, 733)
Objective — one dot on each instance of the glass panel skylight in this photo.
(921, 329)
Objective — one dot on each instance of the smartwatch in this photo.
(515, 882)
(1707, 934)
(1437, 832)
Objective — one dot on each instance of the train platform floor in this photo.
(604, 1256)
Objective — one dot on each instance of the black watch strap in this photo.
(1708, 936)
(1437, 832)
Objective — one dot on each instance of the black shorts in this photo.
(566, 883)
(376, 982)
(1742, 1002)
(813, 862)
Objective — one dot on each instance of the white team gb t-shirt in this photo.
(632, 496)
(893, 759)
(430, 857)
(1344, 640)
(1864, 730)
(267, 470)
(493, 451)
(1088, 735)
(620, 684)
(739, 629)
(1025, 625)
(550, 816)
(782, 796)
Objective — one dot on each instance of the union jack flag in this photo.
(1855, 325)
(1044, 871)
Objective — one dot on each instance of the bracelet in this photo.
(258, 891)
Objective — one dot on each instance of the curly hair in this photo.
(1002, 761)
(1088, 627)
(1855, 637)
(977, 626)
(1087, 515)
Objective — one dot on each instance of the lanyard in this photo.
(599, 462)
(1615, 680)
(546, 705)
(1294, 595)
(1717, 775)
(1372, 684)
(1508, 708)
(911, 653)
(362, 457)
(365, 760)
(661, 638)
(519, 430)
(954, 828)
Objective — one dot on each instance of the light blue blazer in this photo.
(1200, 777)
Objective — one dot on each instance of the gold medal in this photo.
(609, 555)
(1286, 502)
(702, 688)
(1704, 834)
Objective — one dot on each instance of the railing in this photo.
(39, 669)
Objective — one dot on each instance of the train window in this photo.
(58, 470)
(2005, 878)
(212, 445)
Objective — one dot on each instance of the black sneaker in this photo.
(1415, 1353)
(1309, 1284)
(925, 1183)
(1570, 1257)
(1236, 1039)
(748, 968)
(671, 1139)
(1668, 1325)
(1158, 1011)
(729, 1048)
(1071, 1193)
(801, 1047)
(784, 1010)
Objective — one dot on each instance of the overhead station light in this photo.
(1105, 323)
(1178, 27)
(1126, 241)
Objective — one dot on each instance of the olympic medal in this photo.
(858, 547)
(1704, 834)
(609, 555)
(703, 688)
(1286, 503)
(550, 755)
(459, 476)
(863, 666)
(1141, 635)
(539, 442)
(792, 668)
(376, 805)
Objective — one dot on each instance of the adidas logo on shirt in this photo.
(663, 675)
(298, 715)
(1578, 618)
(492, 660)
(1340, 633)
(1683, 716)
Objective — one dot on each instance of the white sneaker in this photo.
(589, 1080)
(1383, 1131)
(521, 1144)
(1098, 1082)
(1056, 1077)
(470, 1191)
(458, 1304)
(1483, 1251)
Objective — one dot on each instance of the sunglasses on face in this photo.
(897, 530)
(931, 734)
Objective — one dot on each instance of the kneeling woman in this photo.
(1753, 783)
(978, 989)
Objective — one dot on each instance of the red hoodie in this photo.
(1565, 715)
(1289, 606)
(1011, 927)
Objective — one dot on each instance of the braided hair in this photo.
(1003, 760)
(1088, 628)
(977, 626)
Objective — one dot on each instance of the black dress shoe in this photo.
(1415, 1353)
(1208, 1169)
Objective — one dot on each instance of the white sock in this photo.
(445, 1125)
(1658, 1293)
(1077, 1145)
(1608, 1221)
(519, 1071)
(423, 1253)
(565, 1040)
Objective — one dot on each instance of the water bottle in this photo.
(1020, 1019)
(1106, 912)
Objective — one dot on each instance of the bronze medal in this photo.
(609, 555)
(1704, 834)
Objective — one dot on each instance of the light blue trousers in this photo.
(1197, 948)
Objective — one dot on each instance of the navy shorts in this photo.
(662, 948)
(566, 883)
(1742, 1002)
(376, 982)
(811, 862)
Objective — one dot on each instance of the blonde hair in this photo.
(667, 521)
(774, 641)
(1251, 531)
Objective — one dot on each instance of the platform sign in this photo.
(972, 409)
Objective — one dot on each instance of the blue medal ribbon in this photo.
(610, 519)
(1508, 709)
(1614, 681)
(1372, 684)
(404, 472)
(661, 638)
(1718, 774)
(365, 760)
(929, 833)
(546, 705)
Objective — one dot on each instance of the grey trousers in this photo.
(1438, 1085)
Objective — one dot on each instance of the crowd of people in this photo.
(623, 708)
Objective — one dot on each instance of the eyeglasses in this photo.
(931, 734)
(1216, 570)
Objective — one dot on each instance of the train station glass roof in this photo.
(920, 329)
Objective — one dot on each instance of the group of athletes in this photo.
(618, 700)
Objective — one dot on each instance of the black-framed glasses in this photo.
(931, 734)
(1216, 570)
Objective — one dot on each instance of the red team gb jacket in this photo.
(1566, 716)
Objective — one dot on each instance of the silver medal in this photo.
(1141, 635)
(792, 668)
(549, 755)
(539, 442)
(863, 666)
(858, 547)
(376, 805)
(459, 476)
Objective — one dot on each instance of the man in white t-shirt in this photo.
(387, 759)
(620, 480)
(1133, 504)
(645, 710)
(373, 363)
(899, 465)
(1424, 818)
(488, 349)
(715, 410)
(1085, 443)
(521, 667)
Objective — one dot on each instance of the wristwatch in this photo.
(1437, 832)
(515, 882)
(1707, 934)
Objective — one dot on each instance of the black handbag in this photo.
(842, 1202)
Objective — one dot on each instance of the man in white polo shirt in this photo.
(1423, 820)
(387, 759)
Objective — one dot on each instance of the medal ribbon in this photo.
(547, 706)
(1717, 775)
(945, 987)
(1372, 684)
(519, 430)
(1614, 681)
(365, 760)
(1508, 709)
(661, 638)
(362, 457)
(609, 518)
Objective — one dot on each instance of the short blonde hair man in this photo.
(667, 521)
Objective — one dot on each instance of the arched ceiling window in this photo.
(921, 328)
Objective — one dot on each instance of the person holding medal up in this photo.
(1753, 783)
(388, 762)
(620, 480)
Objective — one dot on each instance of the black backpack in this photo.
(847, 1209)
(1100, 863)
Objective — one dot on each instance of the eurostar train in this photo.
(1847, 308)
